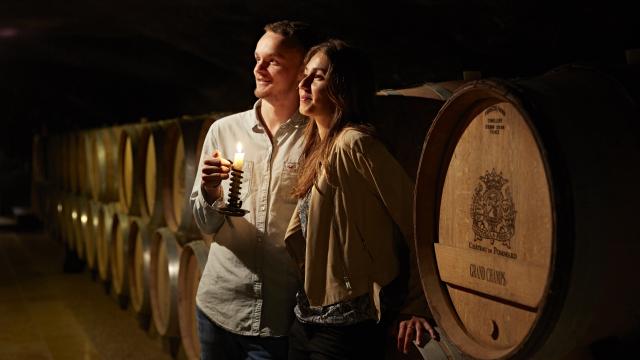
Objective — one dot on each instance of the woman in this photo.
(352, 197)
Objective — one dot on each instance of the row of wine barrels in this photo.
(192, 261)
(144, 167)
(525, 214)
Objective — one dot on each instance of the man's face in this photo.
(278, 68)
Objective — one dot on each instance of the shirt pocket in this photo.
(288, 180)
(290, 172)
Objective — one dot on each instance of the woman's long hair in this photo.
(351, 89)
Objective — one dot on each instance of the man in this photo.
(247, 292)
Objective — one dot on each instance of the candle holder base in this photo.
(231, 211)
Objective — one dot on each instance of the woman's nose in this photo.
(304, 83)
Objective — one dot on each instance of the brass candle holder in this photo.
(234, 204)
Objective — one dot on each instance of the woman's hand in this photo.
(413, 329)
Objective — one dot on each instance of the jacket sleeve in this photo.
(207, 218)
(295, 242)
(388, 179)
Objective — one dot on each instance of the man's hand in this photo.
(214, 170)
(413, 329)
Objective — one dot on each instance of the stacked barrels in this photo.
(118, 197)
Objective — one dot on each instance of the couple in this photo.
(318, 257)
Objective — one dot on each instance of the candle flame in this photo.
(239, 147)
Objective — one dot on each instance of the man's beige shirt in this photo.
(249, 282)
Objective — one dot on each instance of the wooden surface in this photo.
(192, 261)
(165, 258)
(140, 266)
(495, 207)
(119, 254)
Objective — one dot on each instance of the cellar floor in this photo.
(46, 313)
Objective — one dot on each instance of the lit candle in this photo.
(238, 159)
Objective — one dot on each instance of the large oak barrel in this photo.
(526, 214)
(192, 261)
(165, 263)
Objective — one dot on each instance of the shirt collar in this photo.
(295, 121)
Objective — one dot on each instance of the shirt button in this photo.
(263, 207)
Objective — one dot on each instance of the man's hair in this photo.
(298, 33)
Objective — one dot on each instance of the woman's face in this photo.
(313, 90)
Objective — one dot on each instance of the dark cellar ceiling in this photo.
(78, 64)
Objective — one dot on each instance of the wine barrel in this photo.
(63, 161)
(153, 143)
(72, 162)
(119, 255)
(56, 215)
(84, 162)
(105, 162)
(165, 262)
(66, 221)
(104, 238)
(182, 163)
(78, 205)
(140, 266)
(192, 261)
(525, 214)
(403, 116)
(129, 169)
(52, 162)
(89, 224)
